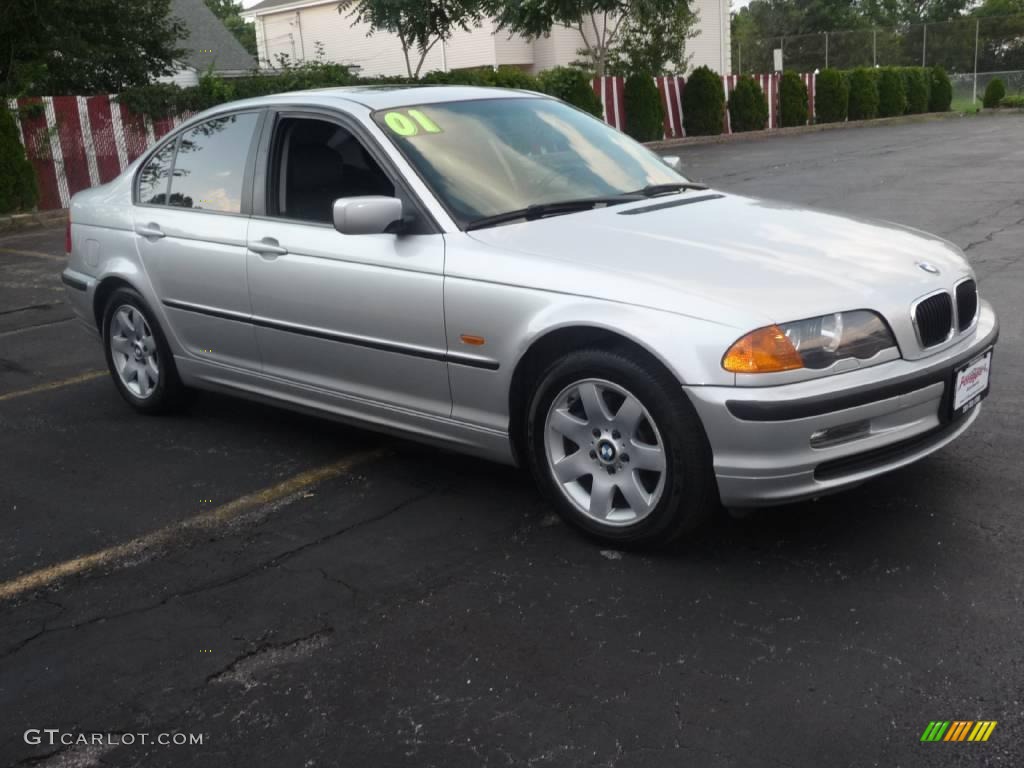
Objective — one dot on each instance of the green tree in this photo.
(17, 177)
(653, 39)
(418, 24)
(600, 23)
(229, 12)
(51, 47)
(764, 25)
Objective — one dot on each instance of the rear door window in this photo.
(154, 177)
(210, 165)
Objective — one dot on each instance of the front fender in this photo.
(512, 319)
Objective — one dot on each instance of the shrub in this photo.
(792, 99)
(831, 96)
(703, 103)
(473, 76)
(863, 94)
(513, 77)
(748, 110)
(17, 177)
(892, 98)
(994, 93)
(916, 81)
(165, 99)
(645, 117)
(1016, 102)
(940, 91)
(573, 86)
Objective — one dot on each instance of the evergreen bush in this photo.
(703, 103)
(792, 99)
(831, 96)
(645, 116)
(573, 86)
(748, 110)
(940, 92)
(892, 97)
(863, 94)
(994, 93)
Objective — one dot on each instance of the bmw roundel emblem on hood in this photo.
(931, 269)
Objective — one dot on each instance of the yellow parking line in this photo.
(111, 556)
(82, 377)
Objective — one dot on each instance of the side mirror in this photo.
(368, 215)
(673, 162)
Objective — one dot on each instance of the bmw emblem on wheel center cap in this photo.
(606, 451)
(928, 267)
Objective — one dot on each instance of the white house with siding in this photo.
(295, 27)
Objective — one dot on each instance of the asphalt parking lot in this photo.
(302, 593)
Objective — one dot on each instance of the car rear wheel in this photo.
(138, 357)
(619, 449)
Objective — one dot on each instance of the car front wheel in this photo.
(619, 449)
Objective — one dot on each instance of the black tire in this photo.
(169, 393)
(689, 495)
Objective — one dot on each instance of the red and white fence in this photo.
(610, 91)
(77, 142)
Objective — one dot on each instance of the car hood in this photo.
(773, 260)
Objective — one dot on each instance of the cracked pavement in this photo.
(425, 609)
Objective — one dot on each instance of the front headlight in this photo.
(815, 343)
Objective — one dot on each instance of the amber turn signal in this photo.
(765, 350)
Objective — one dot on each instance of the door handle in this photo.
(268, 246)
(150, 230)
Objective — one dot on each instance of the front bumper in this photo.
(761, 436)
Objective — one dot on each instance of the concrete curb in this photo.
(928, 117)
(35, 219)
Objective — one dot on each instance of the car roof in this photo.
(382, 96)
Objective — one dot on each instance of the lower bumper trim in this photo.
(73, 282)
(887, 454)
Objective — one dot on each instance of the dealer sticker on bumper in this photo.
(970, 383)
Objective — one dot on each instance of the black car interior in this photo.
(320, 162)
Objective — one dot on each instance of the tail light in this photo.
(67, 236)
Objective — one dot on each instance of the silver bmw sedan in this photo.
(497, 272)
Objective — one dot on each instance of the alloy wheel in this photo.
(605, 452)
(134, 351)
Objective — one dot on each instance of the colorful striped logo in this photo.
(958, 730)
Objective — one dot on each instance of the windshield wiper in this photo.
(539, 210)
(653, 190)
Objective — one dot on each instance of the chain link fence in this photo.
(980, 47)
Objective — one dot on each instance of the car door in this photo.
(357, 315)
(191, 222)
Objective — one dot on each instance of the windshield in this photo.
(494, 156)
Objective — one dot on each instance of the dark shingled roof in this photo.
(209, 41)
